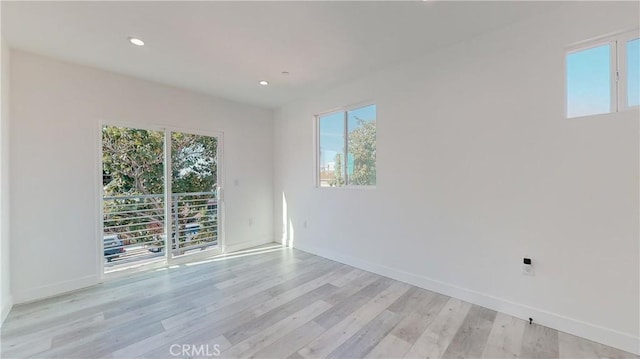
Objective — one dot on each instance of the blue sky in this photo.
(331, 137)
(589, 81)
(633, 72)
(332, 131)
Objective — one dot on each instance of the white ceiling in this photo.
(225, 48)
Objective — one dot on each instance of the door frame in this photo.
(220, 198)
(99, 195)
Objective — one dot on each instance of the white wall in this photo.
(477, 168)
(5, 278)
(55, 111)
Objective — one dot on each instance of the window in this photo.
(346, 153)
(602, 76)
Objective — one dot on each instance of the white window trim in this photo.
(316, 145)
(618, 69)
(623, 105)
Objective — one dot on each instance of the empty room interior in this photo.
(201, 179)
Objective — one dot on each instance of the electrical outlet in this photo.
(305, 224)
(250, 222)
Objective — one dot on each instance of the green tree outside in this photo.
(362, 146)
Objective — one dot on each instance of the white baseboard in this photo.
(5, 309)
(47, 291)
(50, 290)
(228, 248)
(607, 336)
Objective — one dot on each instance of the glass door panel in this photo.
(194, 193)
(132, 196)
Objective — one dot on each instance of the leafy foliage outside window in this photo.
(133, 162)
(362, 145)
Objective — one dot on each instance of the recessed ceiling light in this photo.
(263, 83)
(136, 41)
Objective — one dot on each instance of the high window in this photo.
(602, 76)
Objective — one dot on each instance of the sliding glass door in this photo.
(160, 196)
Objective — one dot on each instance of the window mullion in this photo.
(616, 77)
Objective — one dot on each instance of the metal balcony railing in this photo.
(134, 226)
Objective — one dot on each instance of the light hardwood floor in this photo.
(274, 303)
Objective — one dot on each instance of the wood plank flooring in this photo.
(274, 303)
